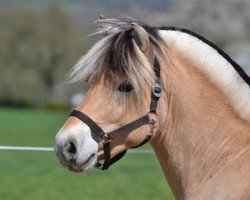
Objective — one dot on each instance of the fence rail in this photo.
(25, 148)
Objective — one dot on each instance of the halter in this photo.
(107, 137)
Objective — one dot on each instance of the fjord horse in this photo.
(170, 87)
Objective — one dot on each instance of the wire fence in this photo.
(50, 149)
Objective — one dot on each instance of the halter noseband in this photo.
(106, 137)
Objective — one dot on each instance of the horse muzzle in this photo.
(76, 149)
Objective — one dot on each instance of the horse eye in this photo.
(125, 87)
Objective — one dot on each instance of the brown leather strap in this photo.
(107, 155)
(155, 95)
(87, 120)
(108, 163)
(156, 90)
(108, 160)
(113, 160)
(129, 127)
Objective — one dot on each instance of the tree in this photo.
(37, 48)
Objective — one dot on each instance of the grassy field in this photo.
(38, 175)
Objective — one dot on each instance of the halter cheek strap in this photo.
(106, 137)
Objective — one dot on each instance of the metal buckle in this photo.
(104, 139)
(157, 90)
(152, 122)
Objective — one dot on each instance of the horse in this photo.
(172, 88)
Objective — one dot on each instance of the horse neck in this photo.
(197, 128)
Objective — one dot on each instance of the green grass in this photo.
(38, 175)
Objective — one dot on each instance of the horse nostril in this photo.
(70, 151)
(72, 148)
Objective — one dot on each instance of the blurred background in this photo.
(40, 40)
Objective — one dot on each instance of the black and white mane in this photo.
(117, 56)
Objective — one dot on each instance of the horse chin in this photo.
(85, 166)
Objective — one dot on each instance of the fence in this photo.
(25, 148)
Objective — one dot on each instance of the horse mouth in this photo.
(83, 167)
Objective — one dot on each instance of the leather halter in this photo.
(106, 137)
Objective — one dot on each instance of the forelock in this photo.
(116, 56)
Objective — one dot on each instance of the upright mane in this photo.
(215, 63)
(117, 56)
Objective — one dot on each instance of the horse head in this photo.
(122, 71)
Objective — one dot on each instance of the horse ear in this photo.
(140, 36)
